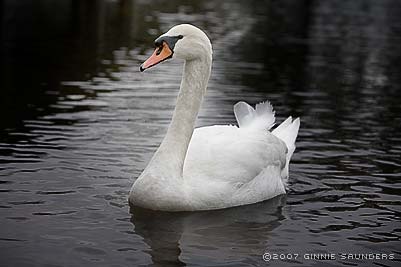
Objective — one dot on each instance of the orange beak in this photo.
(160, 54)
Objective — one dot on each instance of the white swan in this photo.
(218, 166)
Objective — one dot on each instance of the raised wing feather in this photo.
(260, 118)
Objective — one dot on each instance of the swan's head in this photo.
(183, 41)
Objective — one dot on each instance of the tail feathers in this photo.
(288, 132)
(282, 127)
(260, 118)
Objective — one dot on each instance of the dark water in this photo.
(79, 123)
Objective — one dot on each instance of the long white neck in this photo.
(172, 151)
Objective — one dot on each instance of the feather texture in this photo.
(262, 117)
(288, 132)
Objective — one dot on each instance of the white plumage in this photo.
(217, 166)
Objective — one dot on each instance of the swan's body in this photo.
(217, 166)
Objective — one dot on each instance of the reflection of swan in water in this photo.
(211, 237)
(218, 166)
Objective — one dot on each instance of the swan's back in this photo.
(231, 154)
(244, 164)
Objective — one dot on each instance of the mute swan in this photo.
(218, 166)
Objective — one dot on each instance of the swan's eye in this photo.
(170, 40)
(159, 50)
